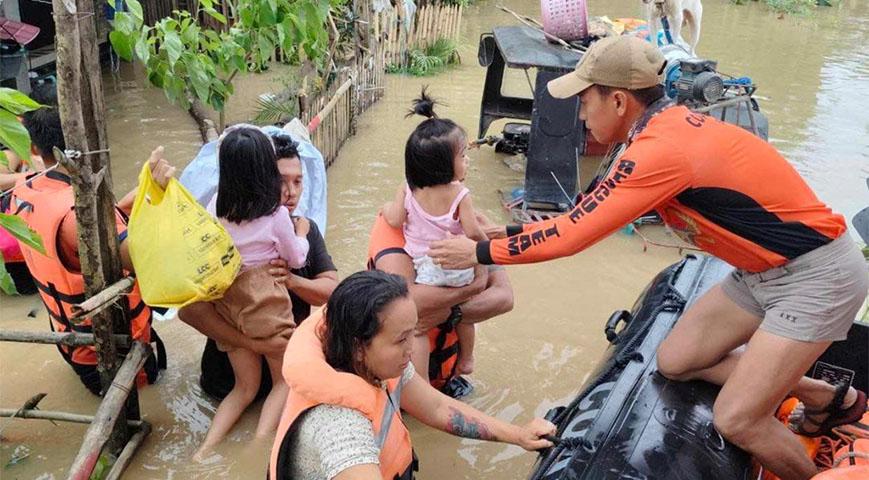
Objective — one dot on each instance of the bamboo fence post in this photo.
(105, 298)
(129, 450)
(109, 413)
(55, 416)
(69, 339)
(441, 18)
(458, 33)
(82, 114)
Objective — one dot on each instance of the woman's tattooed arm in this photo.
(463, 426)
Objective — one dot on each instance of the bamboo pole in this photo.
(56, 416)
(82, 115)
(109, 413)
(102, 300)
(129, 450)
(70, 339)
(443, 14)
(459, 23)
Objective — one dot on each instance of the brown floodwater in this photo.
(813, 75)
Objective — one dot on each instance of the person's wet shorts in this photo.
(813, 298)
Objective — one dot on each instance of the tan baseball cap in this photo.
(622, 62)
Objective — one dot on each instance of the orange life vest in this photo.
(43, 202)
(443, 342)
(313, 382)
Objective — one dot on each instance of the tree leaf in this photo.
(266, 49)
(198, 78)
(246, 16)
(6, 282)
(4, 161)
(173, 46)
(14, 135)
(17, 102)
(215, 15)
(122, 44)
(17, 227)
(125, 23)
(267, 17)
(135, 9)
(143, 50)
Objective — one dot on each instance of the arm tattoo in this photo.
(468, 428)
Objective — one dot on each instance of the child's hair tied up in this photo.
(424, 105)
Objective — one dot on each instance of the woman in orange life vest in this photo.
(350, 375)
(799, 282)
(490, 295)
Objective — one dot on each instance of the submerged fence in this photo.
(430, 24)
(333, 114)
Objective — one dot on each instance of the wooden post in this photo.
(82, 114)
(69, 339)
(109, 413)
(55, 416)
(126, 455)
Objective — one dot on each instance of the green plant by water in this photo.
(793, 7)
(429, 61)
(13, 104)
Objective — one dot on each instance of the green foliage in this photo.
(273, 109)
(430, 61)
(13, 134)
(18, 229)
(188, 60)
(795, 7)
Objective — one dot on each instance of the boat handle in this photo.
(617, 317)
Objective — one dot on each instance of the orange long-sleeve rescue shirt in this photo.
(716, 185)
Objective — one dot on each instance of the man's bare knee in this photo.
(735, 424)
(673, 364)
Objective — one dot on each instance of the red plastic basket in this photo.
(565, 19)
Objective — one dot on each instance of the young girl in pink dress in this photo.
(248, 204)
(434, 203)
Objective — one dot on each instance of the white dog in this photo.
(677, 13)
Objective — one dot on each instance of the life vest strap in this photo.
(52, 291)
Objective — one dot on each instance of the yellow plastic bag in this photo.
(180, 252)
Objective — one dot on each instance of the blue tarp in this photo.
(200, 177)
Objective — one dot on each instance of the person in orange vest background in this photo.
(799, 280)
(47, 203)
(350, 375)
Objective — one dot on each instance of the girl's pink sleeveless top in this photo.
(422, 228)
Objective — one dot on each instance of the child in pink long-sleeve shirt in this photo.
(249, 204)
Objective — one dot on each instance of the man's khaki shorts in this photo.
(813, 298)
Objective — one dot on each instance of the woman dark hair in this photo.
(339, 422)
(250, 183)
(352, 318)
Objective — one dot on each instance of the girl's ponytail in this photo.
(424, 105)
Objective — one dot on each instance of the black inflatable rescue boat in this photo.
(629, 422)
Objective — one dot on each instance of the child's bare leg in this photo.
(274, 403)
(466, 333)
(246, 366)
